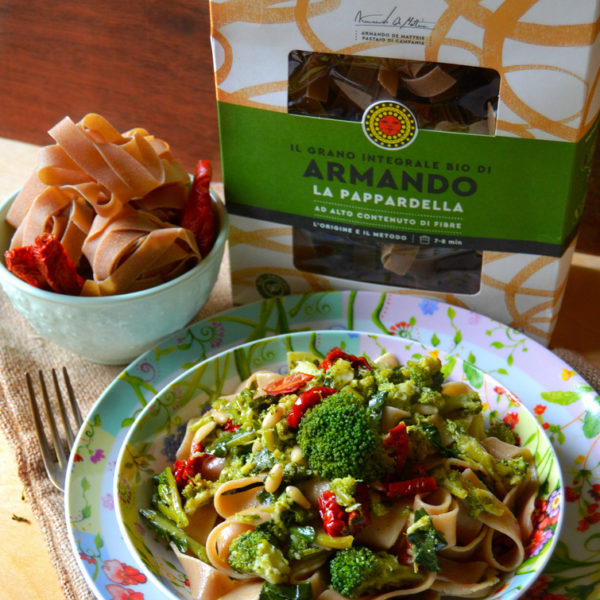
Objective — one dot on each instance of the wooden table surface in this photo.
(25, 569)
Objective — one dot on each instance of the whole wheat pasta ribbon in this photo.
(129, 165)
(134, 251)
(60, 212)
(111, 197)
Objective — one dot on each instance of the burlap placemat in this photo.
(23, 350)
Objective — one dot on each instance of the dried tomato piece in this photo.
(337, 353)
(288, 384)
(361, 517)
(230, 426)
(336, 521)
(198, 215)
(56, 266)
(45, 265)
(332, 515)
(305, 401)
(22, 262)
(184, 470)
(411, 487)
(397, 442)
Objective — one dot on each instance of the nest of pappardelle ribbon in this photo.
(109, 213)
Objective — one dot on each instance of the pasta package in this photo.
(108, 213)
(348, 477)
(433, 148)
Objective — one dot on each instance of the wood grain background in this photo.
(144, 63)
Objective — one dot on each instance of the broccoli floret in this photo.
(358, 571)
(300, 544)
(255, 553)
(425, 373)
(285, 513)
(387, 374)
(503, 432)
(420, 444)
(478, 500)
(431, 398)
(364, 386)
(463, 404)
(502, 473)
(344, 489)
(339, 374)
(338, 439)
(425, 440)
(293, 472)
(246, 409)
(512, 470)
(399, 395)
(197, 493)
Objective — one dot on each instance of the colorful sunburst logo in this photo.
(389, 124)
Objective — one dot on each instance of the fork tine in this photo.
(62, 409)
(60, 454)
(72, 400)
(39, 430)
(55, 462)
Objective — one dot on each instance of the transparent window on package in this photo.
(443, 97)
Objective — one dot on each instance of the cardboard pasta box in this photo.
(434, 148)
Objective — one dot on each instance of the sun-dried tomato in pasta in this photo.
(198, 215)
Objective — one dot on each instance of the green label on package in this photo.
(442, 189)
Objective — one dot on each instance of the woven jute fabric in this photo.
(21, 351)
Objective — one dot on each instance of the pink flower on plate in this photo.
(108, 502)
(118, 592)
(474, 318)
(119, 572)
(97, 456)
(88, 559)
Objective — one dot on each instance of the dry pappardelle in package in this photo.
(408, 147)
(347, 478)
(109, 213)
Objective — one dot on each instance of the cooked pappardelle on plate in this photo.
(347, 477)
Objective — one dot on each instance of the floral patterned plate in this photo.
(143, 452)
(567, 407)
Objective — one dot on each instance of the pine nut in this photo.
(220, 417)
(273, 480)
(257, 446)
(388, 360)
(296, 455)
(454, 388)
(272, 418)
(297, 496)
(203, 432)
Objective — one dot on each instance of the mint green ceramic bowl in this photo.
(153, 439)
(114, 329)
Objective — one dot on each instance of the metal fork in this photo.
(55, 462)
